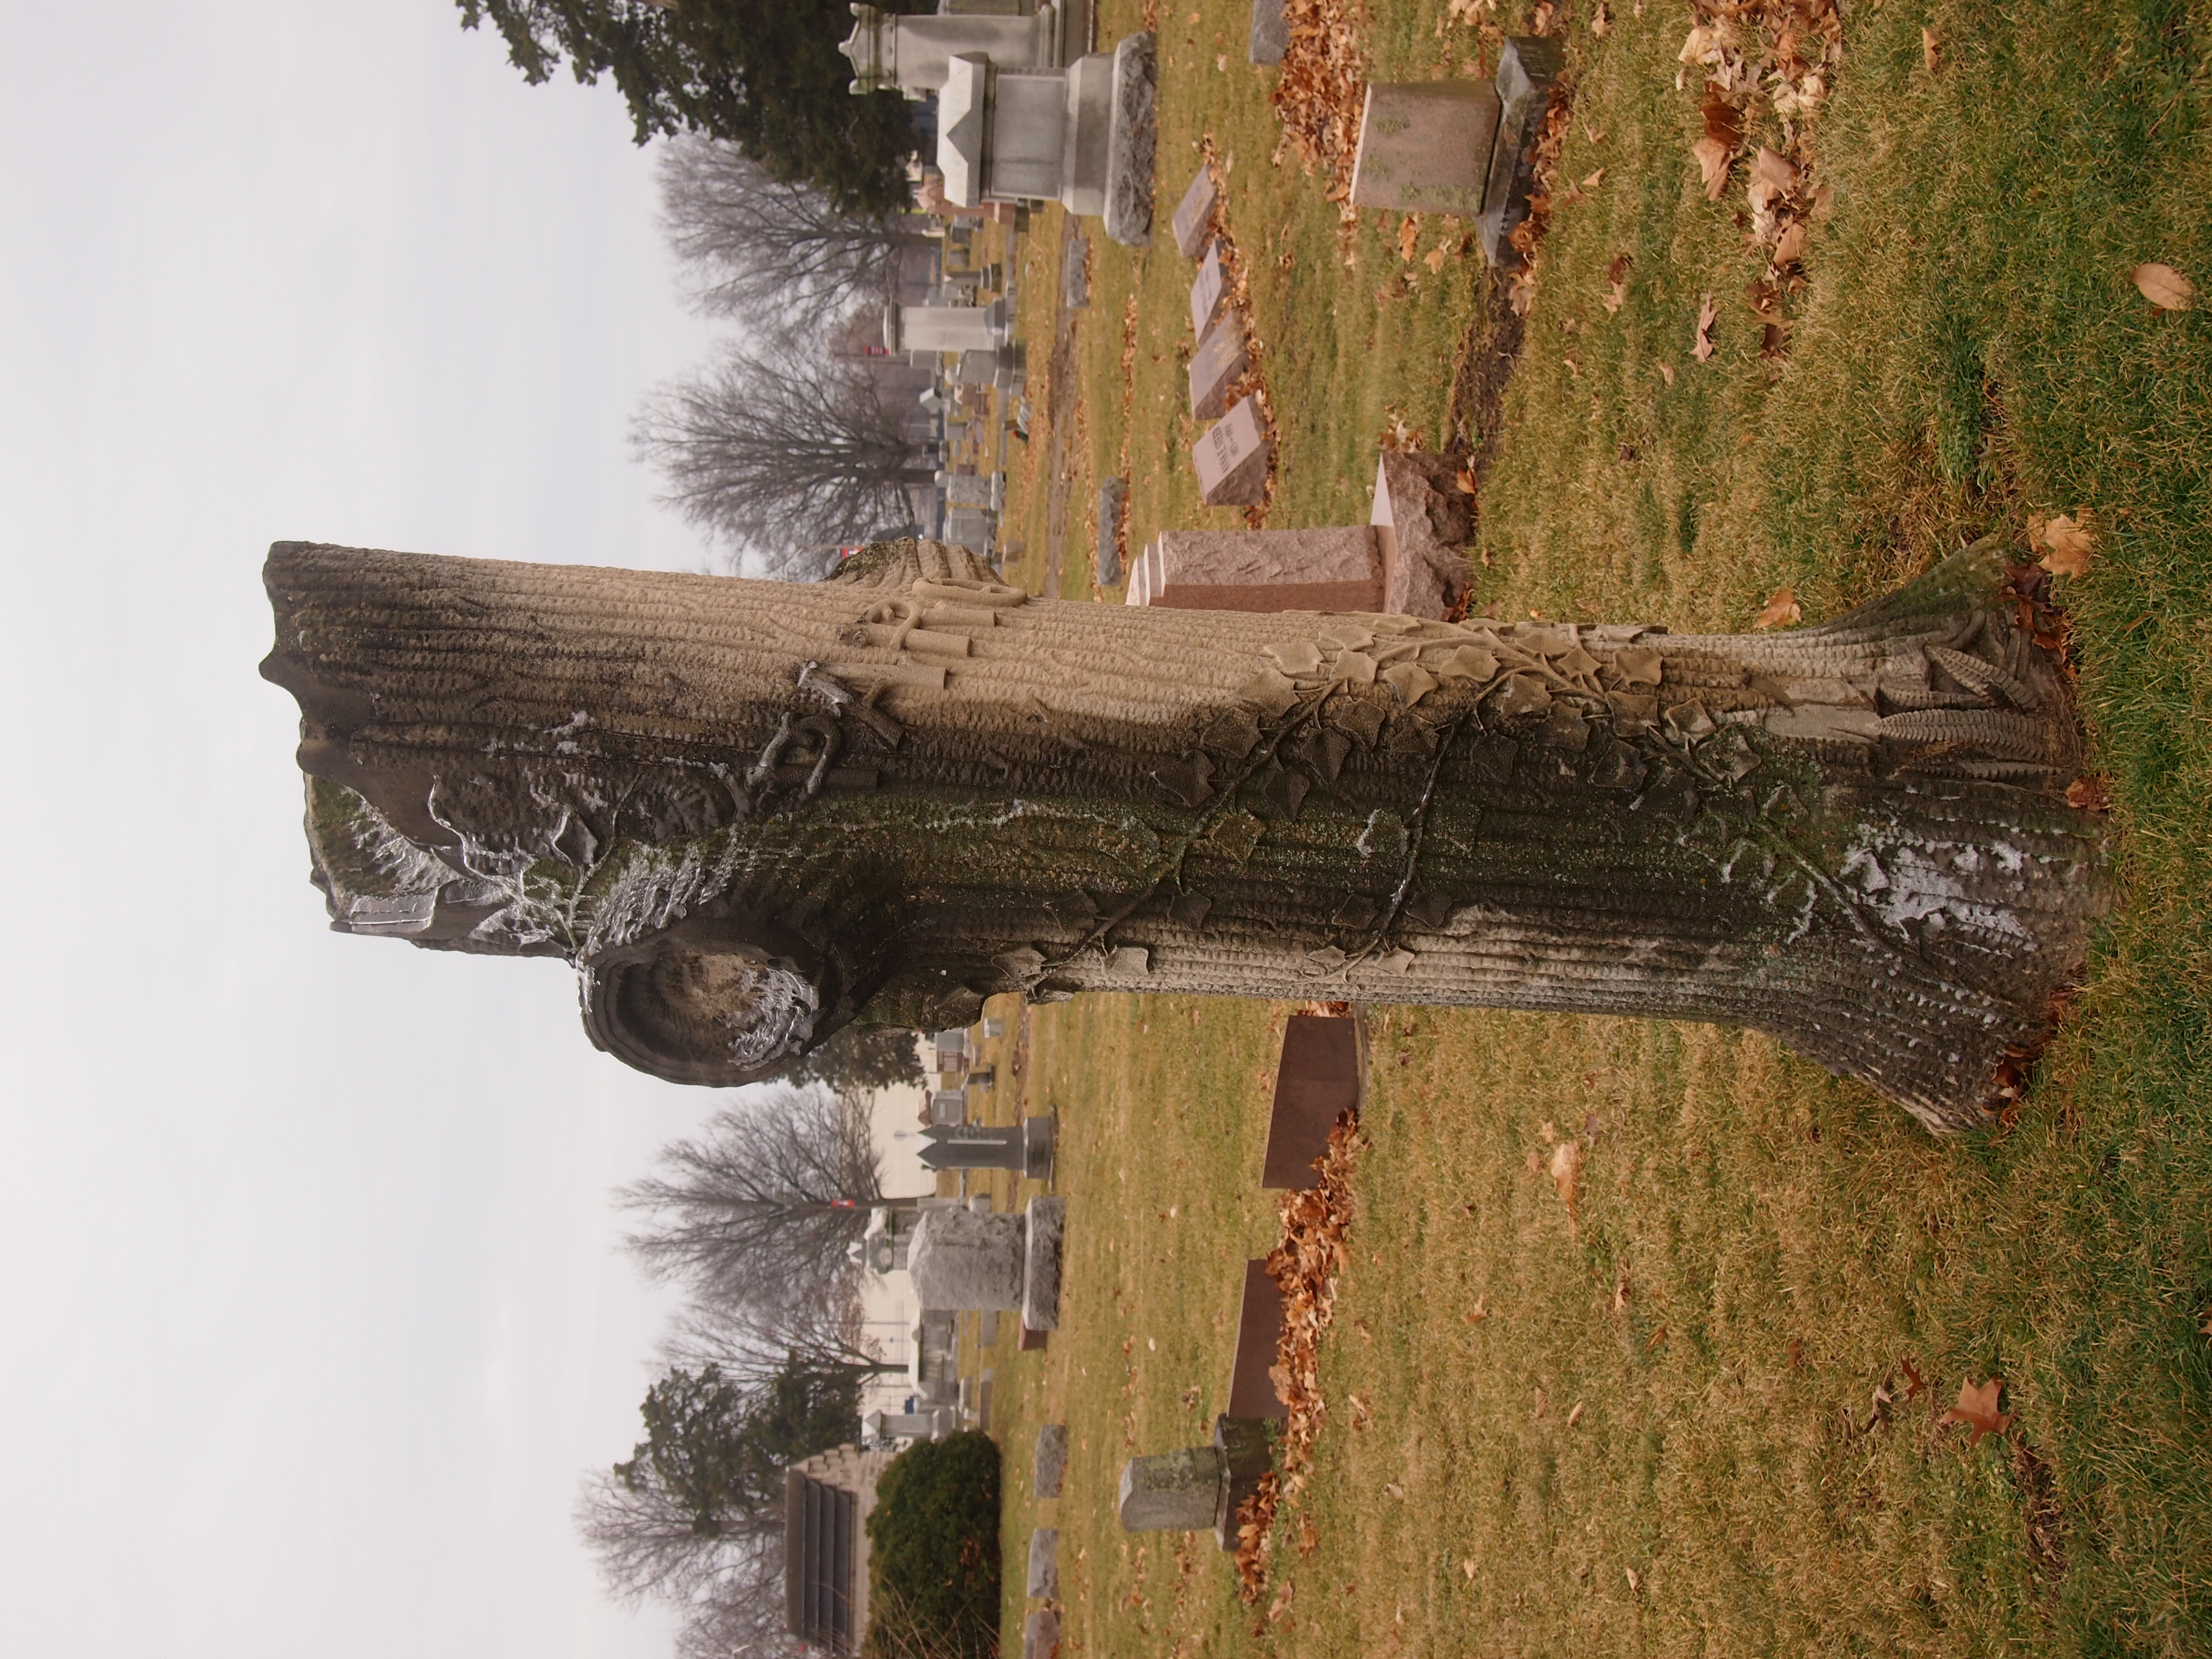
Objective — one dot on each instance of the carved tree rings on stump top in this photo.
(750, 811)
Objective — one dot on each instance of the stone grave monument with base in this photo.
(1231, 457)
(993, 1263)
(1049, 1467)
(930, 1422)
(1198, 1488)
(1025, 1148)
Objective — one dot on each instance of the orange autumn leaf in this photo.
(1434, 259)
(1781, 611)
(1477, 1313)
(1713, 165)
(2071, 543)
(2164, 287)
(1703, 349)
(1409, 232)
(1567, 1174)
(1978, 1410)
(2089, 793)
(1930, 50)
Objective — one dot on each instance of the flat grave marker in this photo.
(1207, 293)
(1231, 458)
(1424, 147)
(1193, 216)
(1317, 1079)
(1214, 367)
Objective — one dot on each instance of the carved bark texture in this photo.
(750, 812)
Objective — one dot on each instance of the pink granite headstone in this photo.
(1195, 215)
(1207, 291)
(1214, 368)
(1231, 458)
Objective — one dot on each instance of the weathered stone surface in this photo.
(1040, 1634)
(1271, 32)
(1129, 160)
(1075, 272)
(1047, 1227)
(1245, 1460)
(1113, 501)
(1049, 1467)
(1171, 1492)
(1216, 365)
(1525, 71)
(1424, 147)
(1208, 290)
(964, 1260)
(1317, 1080)
(1259, 1338)
(1044, 1561)
(1040, 1139)
(1193, 214)
(1331, 570)
(1423, 520)
(1231, 457)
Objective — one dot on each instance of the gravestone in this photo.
(1259, 1341)
(1328, 570)
(1025, 1147)
(1045, 1223)
(1044, 1561)
(1193, 214)
(1050, 1467)
(1231, 458)
(933, 329)
(1199, 1487)
(1208, 291)
(964, 1260)
(1041, 1636)
(1075, 272)
(948, 1106)
(1424, 147)
(1271, 32)
(1221, 357)
(1316, 1079)
(1422, 520)
(1132, 141)
(1525, 71)
(933, 1423)
(1113, 499)
(911, 55)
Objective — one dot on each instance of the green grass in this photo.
(1970, 351)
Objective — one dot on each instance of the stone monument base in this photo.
(1045, 1231)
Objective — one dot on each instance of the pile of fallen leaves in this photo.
(1305, 1267)
(1761, 57)
(1323, 90)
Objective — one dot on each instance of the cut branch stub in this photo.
(750, 812)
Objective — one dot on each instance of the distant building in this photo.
(827, 1500)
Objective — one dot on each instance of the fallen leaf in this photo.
(1781, 611)
(1771, 167)
(1657, 1337)
(1467, 1566)
(1621, 1291)
(1464, 478)
(2164, 287)
(1409, 232)
(1978, 1410)
(1796, 1351)
(1575, 1415)
(1535, 1162)
(1477, 1313)
(1546, 1131)
(1614, 298)
(1635, 1583)
(1595, 180)
(1601, 22)
(1789, 247)
(1667, 373)
(1774, 342)
(1435, 259)
(1915, 1384)
(1394, 1489)
(1567, 1174)
(1723, 121)
(1928, 49)
(1617, 272)
(1703, 347)
(1713, 164)
(2089, 793)
(2071, 543)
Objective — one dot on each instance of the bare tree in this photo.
(779, 446)
(727, 1590)
(816, 1337)
(757, 1211)
(759, 248)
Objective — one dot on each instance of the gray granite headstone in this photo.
(1231, 458)
(1214, 368)
(1113, 498)
(1171, 1492)
(1050, 1467)
(1131, 140)
(963, 1259)
(1046, 1224)
(1075, 273)
(1526, 70)
(1207, 293)
(1193, 214)
(1041, 1636)
(1270, 32)
(1044, 1561)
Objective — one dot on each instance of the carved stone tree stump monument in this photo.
(750, 812)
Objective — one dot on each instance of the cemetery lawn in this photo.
(1662, 1435)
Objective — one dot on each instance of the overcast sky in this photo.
(310, 1314)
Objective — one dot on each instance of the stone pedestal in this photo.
(1041, 1636)
(964, 1260)
(1316, 1079)
(911, 55)
(1045, 1227)
(1424, 147)
(1219, 361)
(1259, 1341)
(1198, 1488)
(1422, 520)
(948, 1106)
(1193, 214)
(1049, 1467)
(933, 1423)
(1271, 32)
(933, 329)
(1333, 569)
(1231, 458)
(1207, 293)
(1526, 70)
